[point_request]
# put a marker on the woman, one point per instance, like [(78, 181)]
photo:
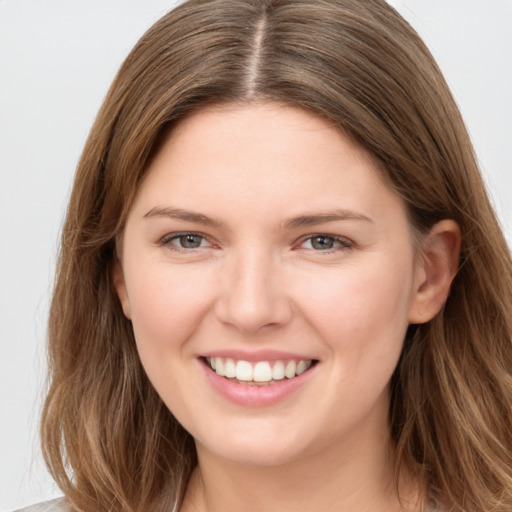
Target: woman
[(281, 282)]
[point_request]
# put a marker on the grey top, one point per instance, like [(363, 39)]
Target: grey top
[(57, 505)]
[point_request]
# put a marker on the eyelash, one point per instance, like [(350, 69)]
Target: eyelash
[(339, 243), (169, 239)]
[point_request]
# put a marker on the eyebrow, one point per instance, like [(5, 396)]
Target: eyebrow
[(295, 222), (322, 218), (180, 214)]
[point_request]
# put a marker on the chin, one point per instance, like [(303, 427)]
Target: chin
[(261, 446), (258, 455)]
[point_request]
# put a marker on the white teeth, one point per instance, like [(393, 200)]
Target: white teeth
[(302, 367), (219, 366), (230, 369), (290, 369), (260, 372), (244, 370), (278, 371)]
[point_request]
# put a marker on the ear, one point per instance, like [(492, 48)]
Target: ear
[(437, 265), (120, 287)]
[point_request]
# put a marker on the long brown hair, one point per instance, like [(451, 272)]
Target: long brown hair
[(108, 439)]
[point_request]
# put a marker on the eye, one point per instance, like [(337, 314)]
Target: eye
[(180, 241), (325, 243)]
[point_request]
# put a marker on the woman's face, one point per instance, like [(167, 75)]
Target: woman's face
[(264, 243)]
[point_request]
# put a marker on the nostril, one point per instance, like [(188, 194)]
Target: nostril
[(251, 315)]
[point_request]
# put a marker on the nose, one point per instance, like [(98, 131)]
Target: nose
[(253, 295)]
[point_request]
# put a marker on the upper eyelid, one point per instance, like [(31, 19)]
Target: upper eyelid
[(176, 234), (338, 238)]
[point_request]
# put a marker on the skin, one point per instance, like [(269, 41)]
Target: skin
[(257, 281)]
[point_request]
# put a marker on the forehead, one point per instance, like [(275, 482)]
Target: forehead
[(255, 125), (262, 156)]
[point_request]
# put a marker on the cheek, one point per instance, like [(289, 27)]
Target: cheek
[(167, 306), (361, 316), (361, 311), (359, 292)]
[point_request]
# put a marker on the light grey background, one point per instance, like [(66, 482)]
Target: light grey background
[(57, 59)]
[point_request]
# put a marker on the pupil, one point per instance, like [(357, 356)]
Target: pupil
[(322, 242), (190, 241)]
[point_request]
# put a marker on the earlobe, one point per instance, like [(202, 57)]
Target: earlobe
[(120, 287), (436, 267)]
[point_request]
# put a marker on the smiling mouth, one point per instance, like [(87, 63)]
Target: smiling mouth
[(260, 373)]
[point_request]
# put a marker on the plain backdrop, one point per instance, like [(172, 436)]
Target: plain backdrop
[(57, 59)]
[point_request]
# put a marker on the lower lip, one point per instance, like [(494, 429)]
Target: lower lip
[(254, 395)]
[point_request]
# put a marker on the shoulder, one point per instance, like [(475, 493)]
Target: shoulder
[(57, 505)]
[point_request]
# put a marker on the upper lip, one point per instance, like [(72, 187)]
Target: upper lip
[(258, 355)]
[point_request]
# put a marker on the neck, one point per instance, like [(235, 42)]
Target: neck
[(349, 477)]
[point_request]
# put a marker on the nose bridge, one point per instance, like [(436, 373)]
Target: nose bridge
[(253, 295)]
